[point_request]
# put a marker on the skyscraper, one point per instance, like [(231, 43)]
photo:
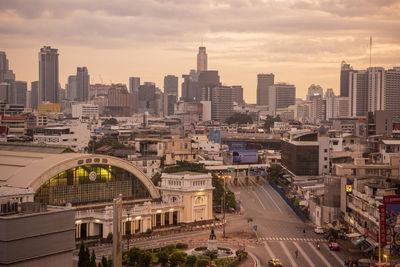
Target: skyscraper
[(19, 92), (264, 81), (376, 89), (237, 94), (190, 86), (48, 75), (71, 88), (6, 75), (358, 93), (134, 84), (345, 78), (170, 94), (221, 103), (34, 95), (202, 59), (281, 95), (207, 80), (393, 92), (315, 90), (82, 84)]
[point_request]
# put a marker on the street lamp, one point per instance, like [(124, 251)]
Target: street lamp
[(129, 233)]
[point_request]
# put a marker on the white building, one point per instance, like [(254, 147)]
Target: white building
[(85, 110)]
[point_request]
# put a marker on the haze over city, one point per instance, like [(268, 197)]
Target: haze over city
[(301, 42)]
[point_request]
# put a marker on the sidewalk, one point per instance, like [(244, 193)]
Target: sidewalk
[(248, 262)]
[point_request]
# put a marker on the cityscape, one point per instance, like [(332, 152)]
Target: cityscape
[(200, 168)]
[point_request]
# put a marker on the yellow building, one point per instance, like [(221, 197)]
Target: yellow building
[(177, 148), (49, 108), (193, 189)]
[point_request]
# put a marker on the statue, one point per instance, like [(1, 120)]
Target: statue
[(212, 235)]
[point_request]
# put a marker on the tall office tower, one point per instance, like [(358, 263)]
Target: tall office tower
[(202, 59), (6, 75), (393, 92), (171, 84), (28, 99), (376, 89), (343, 106), (48, 75), (221, 103), (170, 94), (207, 80), (345, 81), (314, 90), (358, 93), (237, 92), (331, 108), (134, 83), (190, 86), (318, 108), (72, 88), (82, 84), (19, 89), (5, 92), (34, 95), (281, 95), (147, 98), (264, 81)]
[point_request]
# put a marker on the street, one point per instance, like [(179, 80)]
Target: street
[(280, 231)]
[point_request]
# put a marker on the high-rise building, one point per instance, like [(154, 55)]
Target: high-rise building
[(281, 95), (82, 84), (134, 84), (19, 89), (345, 80), (264, 81), (393, 92), (315, 90), (237, 92), (5, 92), (48, 75), (330, 104), (358, 93), (202, 59), (6, 75), (171, 84), (71, 88), (190, 86), (221, 103), (207, 81), (376, 89), (34, 95)]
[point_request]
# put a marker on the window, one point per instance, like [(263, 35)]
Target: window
[(186, 145), (326, 166), (199, 201), (325, 150), (325, 158)]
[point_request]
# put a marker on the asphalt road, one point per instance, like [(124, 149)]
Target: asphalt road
[(280, 231)]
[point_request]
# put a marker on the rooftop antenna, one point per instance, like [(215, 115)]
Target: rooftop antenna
[(370, 51)]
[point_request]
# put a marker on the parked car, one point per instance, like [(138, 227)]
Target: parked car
[(319, 230), (334, 246), (274, 263)]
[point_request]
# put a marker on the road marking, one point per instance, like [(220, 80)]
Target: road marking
[(334, 254), (273, 201), (319, 254), (310, 263), (292, 261), (259, 199), (269, 251)]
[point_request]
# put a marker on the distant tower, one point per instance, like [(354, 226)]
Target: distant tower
[(264, 81), (202, 59), (82, 84), (345, 81), (48, 75)]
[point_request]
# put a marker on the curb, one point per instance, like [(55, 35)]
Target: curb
[(255, 259)]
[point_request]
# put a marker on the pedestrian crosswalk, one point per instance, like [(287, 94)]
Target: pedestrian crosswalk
[(304, 239)]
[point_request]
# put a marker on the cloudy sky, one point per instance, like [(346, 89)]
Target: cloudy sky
[(301, 41)]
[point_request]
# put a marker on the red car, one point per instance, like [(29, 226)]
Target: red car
[(334, 246)]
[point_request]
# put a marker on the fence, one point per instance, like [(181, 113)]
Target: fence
[(288, 201)]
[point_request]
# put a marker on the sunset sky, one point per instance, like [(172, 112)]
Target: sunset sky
[(301, 42)]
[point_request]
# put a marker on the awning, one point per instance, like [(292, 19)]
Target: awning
[(358, 242), (353, 235), (372, 242)]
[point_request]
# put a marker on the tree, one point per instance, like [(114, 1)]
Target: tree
[(191, 260), (176, 259), (274, 172), (133, 256), (269, 121), (92, 262), (156, 178), (105, 262), (240, 118), (84, 256), (145, 259), (163, 258), (213, 254), (203, 262)]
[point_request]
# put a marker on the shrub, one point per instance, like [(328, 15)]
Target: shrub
[(181, 246)]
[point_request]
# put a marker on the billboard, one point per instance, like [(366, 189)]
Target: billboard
[(215, 136), (389, 214), (245, 156)]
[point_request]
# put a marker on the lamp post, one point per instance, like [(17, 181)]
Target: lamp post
[(223, 233), (129, 233)]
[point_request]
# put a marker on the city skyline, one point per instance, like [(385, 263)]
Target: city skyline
[(123, 40)]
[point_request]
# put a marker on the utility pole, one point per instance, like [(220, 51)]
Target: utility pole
[(223, 235), (129, 233)]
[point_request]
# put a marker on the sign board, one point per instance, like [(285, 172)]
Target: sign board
[(349, 188), (255, 227)]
